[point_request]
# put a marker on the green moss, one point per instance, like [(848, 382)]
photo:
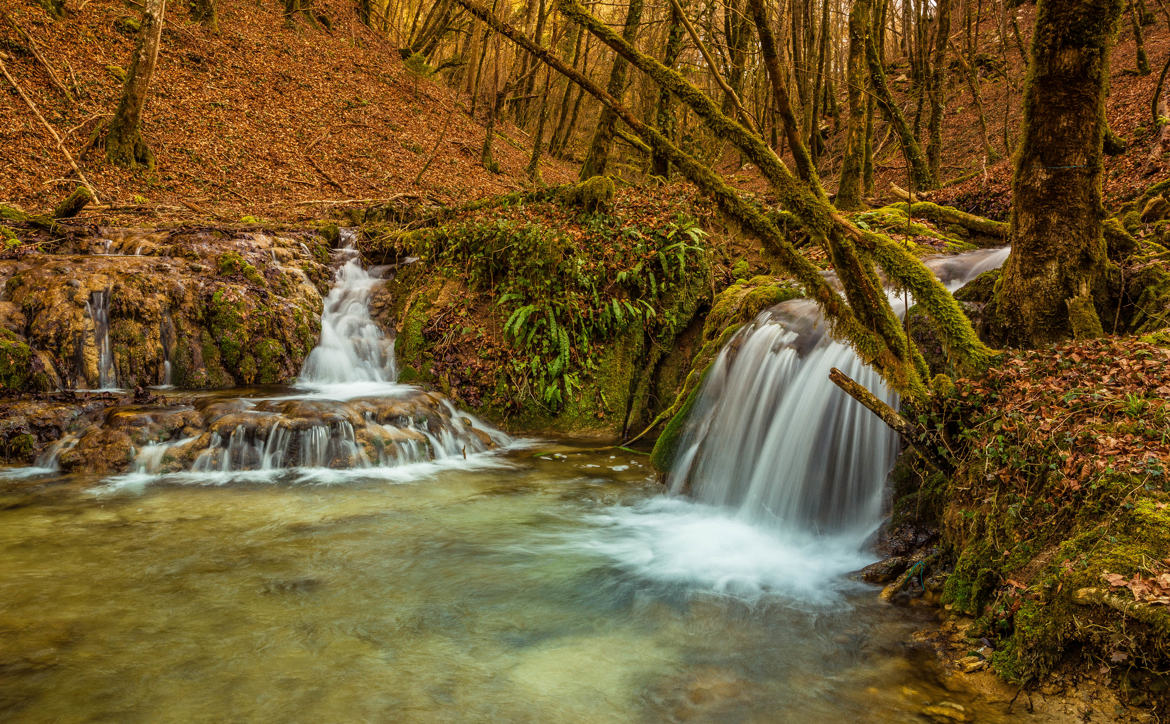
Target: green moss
[(593, 194), (18, 448), (15, 360), (232, 264), (666, 446), (269, 353), (1160, 338), (225, 321)]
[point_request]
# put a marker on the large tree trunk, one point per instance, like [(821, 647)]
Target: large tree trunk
[(124, 144), (849, 192), (598, 157), (1058, 252)]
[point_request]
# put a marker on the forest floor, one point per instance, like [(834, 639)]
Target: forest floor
[(287, 121), (264, 118)]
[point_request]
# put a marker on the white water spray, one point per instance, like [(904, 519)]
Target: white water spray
[(352, 347)]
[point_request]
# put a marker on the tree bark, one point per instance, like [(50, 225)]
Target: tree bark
[(935, 89), (206, 12), (599, 148), (1057, 245), (919, 168), (124, 144), (849, 191), (664, 114)]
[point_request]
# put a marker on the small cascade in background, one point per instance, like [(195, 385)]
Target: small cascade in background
[(50, 458), (351, 416), (772, 438), (285, 433), (98, 309), (352, 347)]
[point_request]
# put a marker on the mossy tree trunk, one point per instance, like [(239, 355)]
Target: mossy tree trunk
[(936, 90), (599, 148), (920, 174), (1143, 60), (55, 8), (849, 191), (664, 114), (1058, 251), (124, 144), (777, 77), (206, 12)]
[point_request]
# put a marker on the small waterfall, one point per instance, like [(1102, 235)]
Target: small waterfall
[(354, 418), (352, 347), (287, 433), (98, 309), (772, 438), (49, 459)]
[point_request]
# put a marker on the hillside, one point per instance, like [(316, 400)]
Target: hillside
[(262, 118)]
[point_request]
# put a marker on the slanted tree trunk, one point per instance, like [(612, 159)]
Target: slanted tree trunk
[(598, 157), (920, 173), (849, 191), (124, 144), (1058, 252)]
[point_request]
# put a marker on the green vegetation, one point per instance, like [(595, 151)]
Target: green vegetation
[(563, 319), (1058, 525)]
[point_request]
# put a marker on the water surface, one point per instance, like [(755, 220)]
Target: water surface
[(555, 585)]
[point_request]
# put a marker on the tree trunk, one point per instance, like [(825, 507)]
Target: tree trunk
[(935, 89), (598, 157), (205, 11), (1058, 251), (664, 115), (124, 144), (849, 191), (920, 173)]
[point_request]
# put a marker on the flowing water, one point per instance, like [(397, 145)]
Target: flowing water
[(357, 550), (98, 308)]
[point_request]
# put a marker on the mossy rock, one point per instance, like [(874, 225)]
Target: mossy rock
[(592, 195)]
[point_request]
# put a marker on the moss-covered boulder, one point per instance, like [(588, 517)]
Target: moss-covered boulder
[(196, 309), (547, 315)]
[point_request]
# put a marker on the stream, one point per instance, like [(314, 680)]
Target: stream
[(549, 584), (353, 549)]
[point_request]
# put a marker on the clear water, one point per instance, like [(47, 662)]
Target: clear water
[(537, 589)]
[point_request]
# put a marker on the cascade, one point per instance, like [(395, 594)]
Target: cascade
[(772, 438), (98, 308), (352, 347), (349, 415)]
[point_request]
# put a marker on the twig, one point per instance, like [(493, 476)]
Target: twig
[(435, 149), (32, 46), (325, 173), (60, 144)]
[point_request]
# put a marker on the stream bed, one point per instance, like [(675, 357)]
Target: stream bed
[(539, 583)]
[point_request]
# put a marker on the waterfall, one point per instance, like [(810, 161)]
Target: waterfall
[(98, 308), (353, 417), (772, 438), (352, 347)]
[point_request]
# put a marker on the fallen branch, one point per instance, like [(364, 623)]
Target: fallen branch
[(60, 144), (325, 174), (910, 434), (951, 215)]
